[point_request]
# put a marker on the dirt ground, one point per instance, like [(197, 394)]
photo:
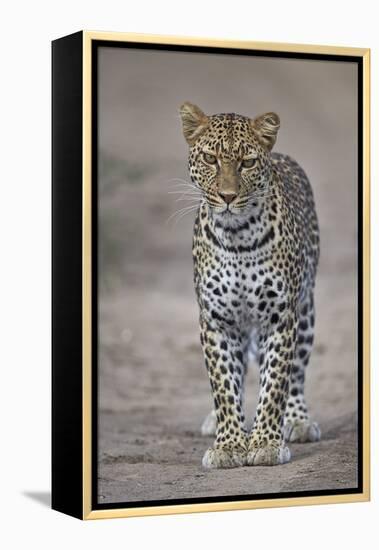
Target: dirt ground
[(153, 387)]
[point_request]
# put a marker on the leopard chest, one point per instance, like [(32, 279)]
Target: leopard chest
[(241, 289)]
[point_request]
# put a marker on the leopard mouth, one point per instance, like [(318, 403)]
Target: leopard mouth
[(223, 209), (227, 211), (232, 208)]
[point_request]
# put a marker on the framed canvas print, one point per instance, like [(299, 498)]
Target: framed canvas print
[(210, 275)]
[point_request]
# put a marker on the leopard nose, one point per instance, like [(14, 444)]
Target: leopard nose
[(228, 197)]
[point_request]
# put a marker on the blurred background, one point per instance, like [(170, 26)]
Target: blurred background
[(153, 387)]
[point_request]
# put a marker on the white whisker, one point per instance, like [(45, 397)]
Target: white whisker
[(180, 180), (185, 189), (262, 195), (197, 193), (183, 183), (196, 199), (182, 212)]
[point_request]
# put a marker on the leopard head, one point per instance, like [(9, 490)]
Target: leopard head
[(229, 157)]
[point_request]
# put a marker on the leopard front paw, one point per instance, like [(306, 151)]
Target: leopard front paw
[(301, 431), (267, 454), (224, 457)]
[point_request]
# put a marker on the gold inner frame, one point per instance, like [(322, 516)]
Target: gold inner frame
[(88, 513)]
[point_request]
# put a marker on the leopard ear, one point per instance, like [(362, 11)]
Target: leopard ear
[(194, 121), (266, 127)]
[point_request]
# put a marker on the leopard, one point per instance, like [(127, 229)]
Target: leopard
[(256, 247)]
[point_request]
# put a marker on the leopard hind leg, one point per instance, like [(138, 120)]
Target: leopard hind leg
[(298, 426)]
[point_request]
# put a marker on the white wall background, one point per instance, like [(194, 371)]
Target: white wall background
[(27, 28)]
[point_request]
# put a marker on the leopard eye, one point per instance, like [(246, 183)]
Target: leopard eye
[(209, 159), (248, 163)]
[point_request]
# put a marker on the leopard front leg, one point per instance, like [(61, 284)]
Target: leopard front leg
[(209, 424), (224, 359), (266, 441)]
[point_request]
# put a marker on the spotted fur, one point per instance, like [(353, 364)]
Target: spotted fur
[(255, 251)]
